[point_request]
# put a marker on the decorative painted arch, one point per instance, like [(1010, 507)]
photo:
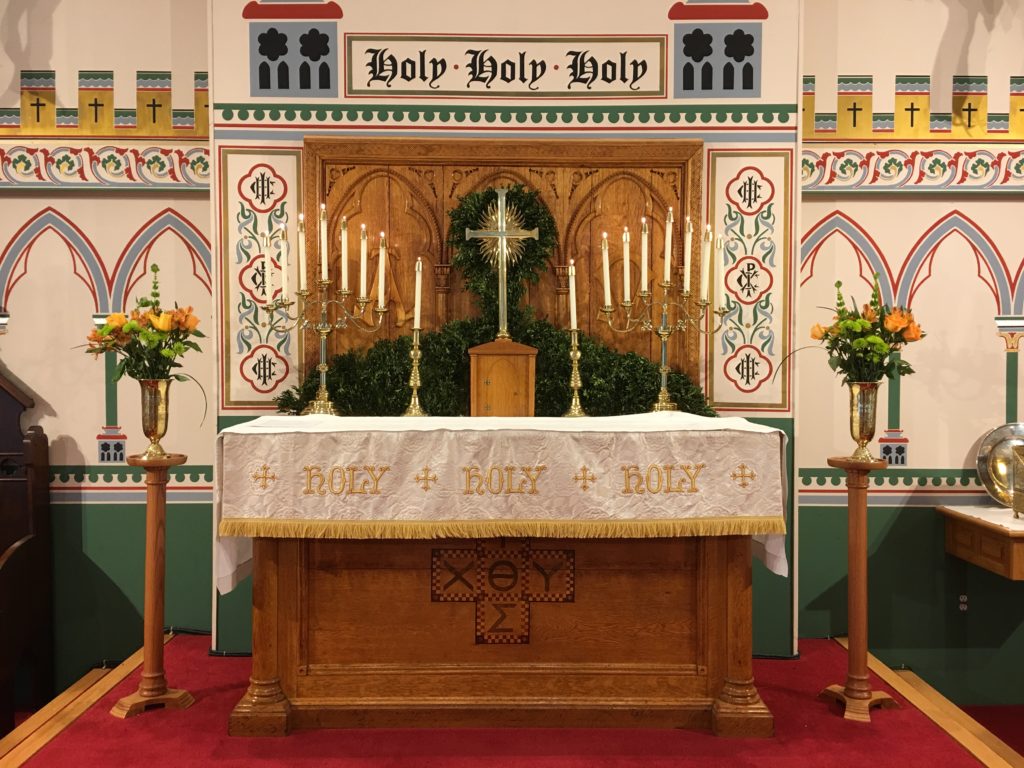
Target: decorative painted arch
[(839, 223), (917, 268), (131, 266), (88, 266)]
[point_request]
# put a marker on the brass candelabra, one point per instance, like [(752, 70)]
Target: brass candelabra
[(349, 311), (640, 314)]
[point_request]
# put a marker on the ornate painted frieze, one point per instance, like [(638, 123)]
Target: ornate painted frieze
[(259, 203), (137, 168), (751, 220)]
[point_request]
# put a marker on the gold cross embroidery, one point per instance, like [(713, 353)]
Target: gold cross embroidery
[(264, 476), (743, 474), (426, 478), (584, 477)]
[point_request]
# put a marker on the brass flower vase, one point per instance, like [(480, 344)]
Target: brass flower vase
[(863, 407), (155, 398)]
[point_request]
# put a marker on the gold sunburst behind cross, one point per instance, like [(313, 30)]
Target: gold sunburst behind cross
[(513, 221)]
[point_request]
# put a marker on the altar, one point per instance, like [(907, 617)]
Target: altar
[(500, 571)]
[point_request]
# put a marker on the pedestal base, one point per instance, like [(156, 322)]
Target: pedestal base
[(858, 709), (136, 703)]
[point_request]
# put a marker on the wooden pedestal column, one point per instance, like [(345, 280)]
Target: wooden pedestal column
[(153, 691), (856, 695)]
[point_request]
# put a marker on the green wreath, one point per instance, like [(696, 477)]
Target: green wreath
[(471, 257)]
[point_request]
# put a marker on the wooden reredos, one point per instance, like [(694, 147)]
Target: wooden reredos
[(406, 187)]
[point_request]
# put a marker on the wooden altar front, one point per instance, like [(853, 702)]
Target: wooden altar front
[(502, 632)]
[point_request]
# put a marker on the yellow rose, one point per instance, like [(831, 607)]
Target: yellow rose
[(817, 332), (897, 320), (912, 332), (164, 322), (116, 320)]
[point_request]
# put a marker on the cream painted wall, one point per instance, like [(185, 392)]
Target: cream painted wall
[(71, 35), (941, 38), (51, 309), (956, 395)]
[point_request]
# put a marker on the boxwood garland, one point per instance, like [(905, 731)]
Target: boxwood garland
[(374, 382)]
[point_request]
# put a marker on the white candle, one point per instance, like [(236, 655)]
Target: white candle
[(643, 253), (668, 246), (572, 295), (604, 270), (362, 261), (282, 254), (719, 265), (687, 254), (705, 261), (380, 271), (302, 252), (344, 253), (419, 291), (268, 286), (625, 264), (323, 241)]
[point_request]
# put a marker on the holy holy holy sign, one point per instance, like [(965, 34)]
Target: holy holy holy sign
[(498, 230)]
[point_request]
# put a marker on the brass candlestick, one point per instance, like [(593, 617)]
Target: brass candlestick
[(324, 327), (575, 409), (414, 408)]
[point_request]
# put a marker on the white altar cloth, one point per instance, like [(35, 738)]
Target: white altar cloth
[(642, 475)]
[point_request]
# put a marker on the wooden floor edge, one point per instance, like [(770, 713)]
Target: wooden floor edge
[(968, 732), (46, 724)]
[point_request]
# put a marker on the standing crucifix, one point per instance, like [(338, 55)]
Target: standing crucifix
[(502, 233)]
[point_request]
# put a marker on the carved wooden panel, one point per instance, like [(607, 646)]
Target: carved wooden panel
[(406, 187)]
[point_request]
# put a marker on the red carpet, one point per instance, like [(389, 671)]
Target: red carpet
[(1004, 722), (808, 732)]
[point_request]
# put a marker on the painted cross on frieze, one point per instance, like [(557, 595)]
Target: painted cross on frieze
[(497, 227)]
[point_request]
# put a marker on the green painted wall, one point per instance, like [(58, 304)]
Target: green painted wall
[(99, 552), (914, 589)]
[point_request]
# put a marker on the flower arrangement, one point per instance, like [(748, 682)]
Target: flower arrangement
[(150, 340), (860, 343)]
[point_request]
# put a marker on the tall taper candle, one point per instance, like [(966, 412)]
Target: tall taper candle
[(687, 254), (643, 253), (302, 251), (604, 270), (572, 295), (625, 264), (344, 253), (705, 261), (323, 241), (719, 265), (380, 271), (283, 248), (268, 285), (362, 261), (419, 291), (669, 226)]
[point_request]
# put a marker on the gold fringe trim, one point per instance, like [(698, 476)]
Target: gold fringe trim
[(480, 529)]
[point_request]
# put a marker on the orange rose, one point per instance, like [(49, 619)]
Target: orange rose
[(869, 314), (189, 323), (912, 332), (116, 320), (897, 320), (817, 332), (163, 322)]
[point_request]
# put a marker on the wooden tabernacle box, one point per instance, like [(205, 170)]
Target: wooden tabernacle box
[(502, 377)]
